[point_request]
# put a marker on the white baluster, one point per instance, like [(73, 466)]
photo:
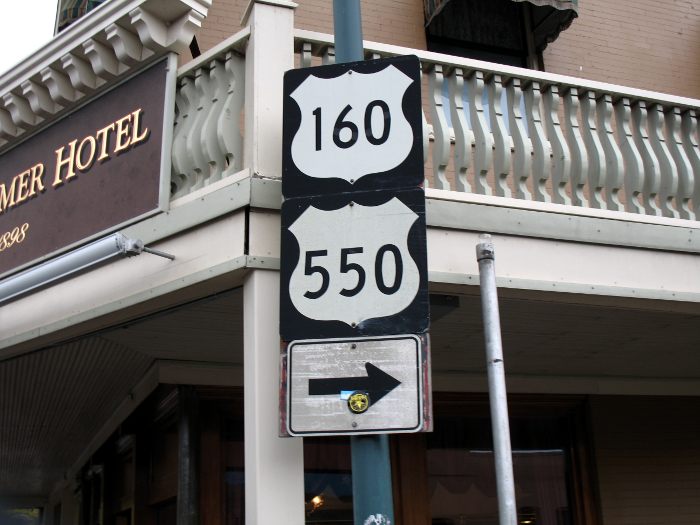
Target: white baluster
[(522, 146), (669, 173), (228, 125), (209, 141), (674, 143), (501, 139), (579, 158), (652, 174), (202, 84), (561, 158), (305, 55), (540, 147), (482, 136), (184, 102), (328, 56), (594, 151), (613, 157), (441, 132), (634, 169), (689, 130), (463, 135)]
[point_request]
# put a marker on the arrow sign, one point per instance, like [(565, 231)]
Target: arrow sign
[(327, 385), (376, 383)]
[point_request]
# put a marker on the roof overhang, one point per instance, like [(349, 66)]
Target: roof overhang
[(97, 51)]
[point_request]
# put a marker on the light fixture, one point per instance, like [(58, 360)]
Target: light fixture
[(74, 261)]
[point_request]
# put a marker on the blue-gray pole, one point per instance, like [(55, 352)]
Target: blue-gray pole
[(372, 496), (371, 464), (347, 24)]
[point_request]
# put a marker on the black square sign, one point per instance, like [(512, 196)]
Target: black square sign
[(354, 264)]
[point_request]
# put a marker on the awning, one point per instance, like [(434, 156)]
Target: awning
[(550, 17)]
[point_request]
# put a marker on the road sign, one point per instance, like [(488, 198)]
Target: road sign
[(354, 265), (352, 127), (347, 386), (353, 256)]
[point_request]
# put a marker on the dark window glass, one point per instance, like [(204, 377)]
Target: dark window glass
[(70, 10), (492, 30), (234, 474), (166, 513), (328, 481), (461, 472)]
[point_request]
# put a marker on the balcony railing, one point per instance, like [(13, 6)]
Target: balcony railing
[(490, 130), (512, 132), (207, 140)]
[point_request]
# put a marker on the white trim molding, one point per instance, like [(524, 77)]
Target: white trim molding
[(95, 52)]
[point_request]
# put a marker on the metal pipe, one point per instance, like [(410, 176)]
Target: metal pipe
[(505, 485), (62, 266), (371, 480)]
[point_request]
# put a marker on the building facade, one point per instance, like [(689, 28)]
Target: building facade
[(145, 390)]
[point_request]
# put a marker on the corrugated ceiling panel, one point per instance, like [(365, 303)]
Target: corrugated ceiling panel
[(51, 404)]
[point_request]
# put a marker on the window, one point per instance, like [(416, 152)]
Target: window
[(70, 10), (328, 481), (546, 442), (494, 31), (512, 32)]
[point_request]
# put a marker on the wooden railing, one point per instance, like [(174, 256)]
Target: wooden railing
[(207, 140), (510, 132), (489, 130)]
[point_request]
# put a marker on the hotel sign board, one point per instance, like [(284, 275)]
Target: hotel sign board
[(101, 167)]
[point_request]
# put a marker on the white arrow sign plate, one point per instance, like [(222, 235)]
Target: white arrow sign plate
[(317, 368)]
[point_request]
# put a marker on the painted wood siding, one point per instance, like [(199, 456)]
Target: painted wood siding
[(648, 459)]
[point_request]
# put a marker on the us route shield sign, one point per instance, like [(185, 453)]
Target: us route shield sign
[(354, 265), (352, 127)]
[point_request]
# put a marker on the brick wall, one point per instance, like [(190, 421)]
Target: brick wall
[(397, 22), (648, 44), (648, 459)]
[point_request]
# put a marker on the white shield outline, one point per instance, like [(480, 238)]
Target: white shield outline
[(369, 227), (332, 95)]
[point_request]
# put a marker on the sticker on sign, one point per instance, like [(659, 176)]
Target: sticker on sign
[(355, 386)]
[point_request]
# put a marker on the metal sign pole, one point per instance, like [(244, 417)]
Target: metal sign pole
[(371, 465), (347, 24), (505, 484)]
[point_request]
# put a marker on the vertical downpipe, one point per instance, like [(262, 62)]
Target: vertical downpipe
[(507, 512)]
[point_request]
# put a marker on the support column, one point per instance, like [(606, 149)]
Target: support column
[(188, 456), (269, 54), (274, 466)]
